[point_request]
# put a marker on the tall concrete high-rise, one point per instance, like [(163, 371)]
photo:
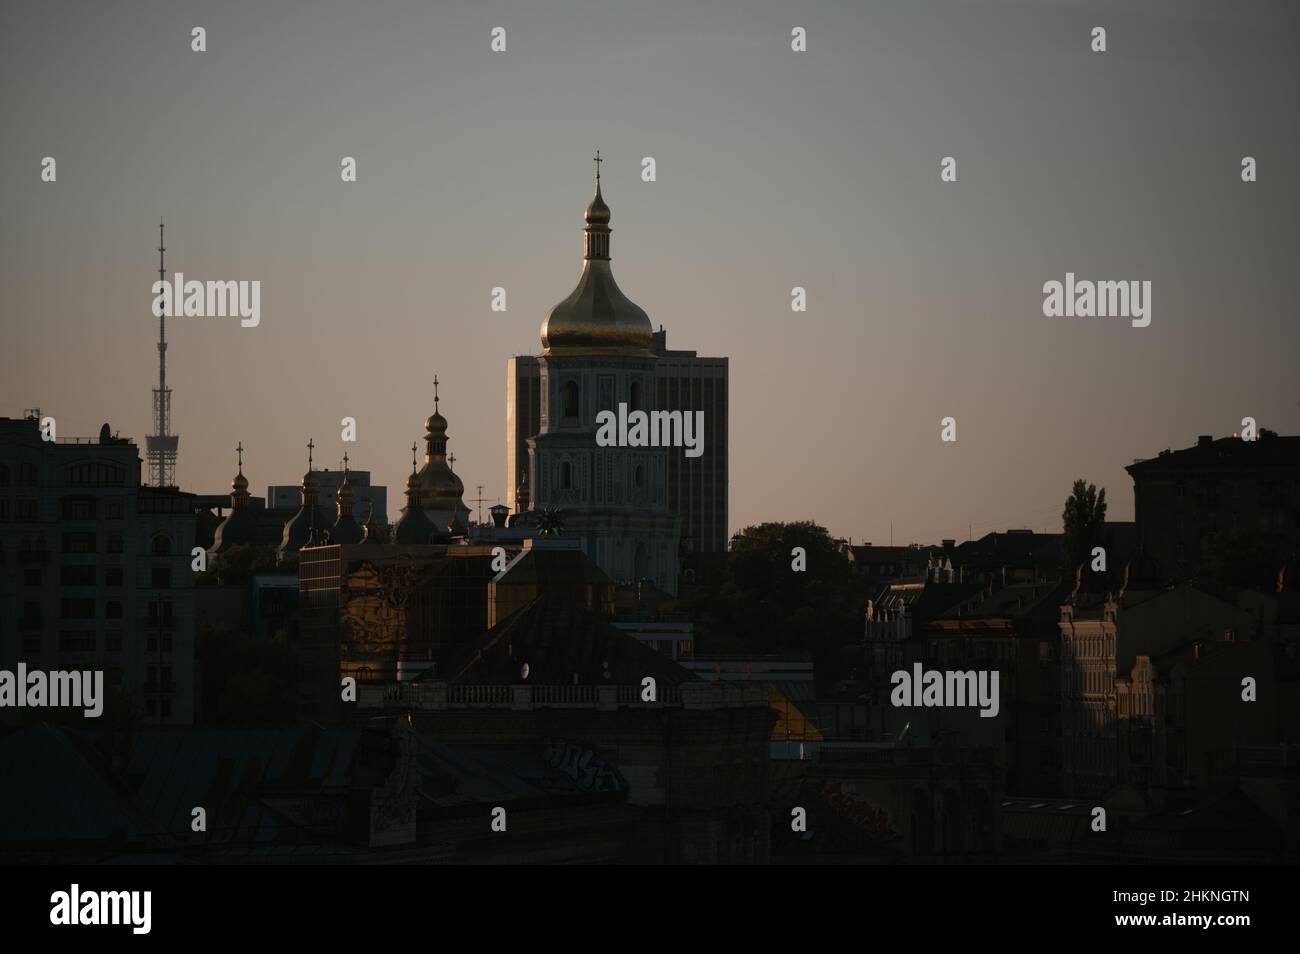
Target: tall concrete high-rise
[(697, 486), (523, 419)]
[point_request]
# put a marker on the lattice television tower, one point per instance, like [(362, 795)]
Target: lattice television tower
[(161, 444)]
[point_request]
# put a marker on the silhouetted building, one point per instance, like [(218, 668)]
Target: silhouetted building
[(95, 568), (1194, 506)]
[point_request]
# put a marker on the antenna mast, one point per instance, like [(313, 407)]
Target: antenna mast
[(161, 444)]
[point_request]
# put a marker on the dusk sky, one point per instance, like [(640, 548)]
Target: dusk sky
[(775, 169)]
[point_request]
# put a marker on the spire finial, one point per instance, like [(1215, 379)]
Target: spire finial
[(345, 465), (598, 161), (451, 461), (240, 451), (412, 457), (435, 394), (311, 445)]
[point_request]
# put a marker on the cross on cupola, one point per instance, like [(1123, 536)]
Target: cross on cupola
[(311, 445), (240, 451)]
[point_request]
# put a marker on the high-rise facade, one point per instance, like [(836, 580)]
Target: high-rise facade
[(697, 486), (95, 569)]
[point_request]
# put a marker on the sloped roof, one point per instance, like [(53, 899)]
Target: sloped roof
[(556, 639)]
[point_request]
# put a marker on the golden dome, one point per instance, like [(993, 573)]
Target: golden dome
[(597, 316), (240, 483), (597, 211)]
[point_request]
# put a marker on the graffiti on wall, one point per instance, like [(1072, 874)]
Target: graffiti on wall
[(854, 807), (581, 763)]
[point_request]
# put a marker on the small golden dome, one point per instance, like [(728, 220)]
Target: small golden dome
[(597, 211), (597, 316), (240, 483)]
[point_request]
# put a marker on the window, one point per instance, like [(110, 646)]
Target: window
[(79, 508), (634, 397), (76, 642), (95, 475), (160, 578), (640, 475), (77, 608), (24, 510), (151, 707), (570, 399), (166, 708), (162, 545), (26, 474), (113, 644), (4, 511), (114, 543), (566, 476), (32, 576), (79, 542), (113, 576), (113, 610), (115, 510), (78, 575), (31, 614)]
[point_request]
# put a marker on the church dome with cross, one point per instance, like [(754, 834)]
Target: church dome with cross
[(597, 317), (441, 491)]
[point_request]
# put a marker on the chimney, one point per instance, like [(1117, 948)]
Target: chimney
[(1204, 440)]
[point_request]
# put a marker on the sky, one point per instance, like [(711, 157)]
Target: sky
[(775, 169)]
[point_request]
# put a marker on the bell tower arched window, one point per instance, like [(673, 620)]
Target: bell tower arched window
[(570, 398)]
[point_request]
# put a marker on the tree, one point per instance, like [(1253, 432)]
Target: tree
[(764, 605), (1084, 519), (238, 565)]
